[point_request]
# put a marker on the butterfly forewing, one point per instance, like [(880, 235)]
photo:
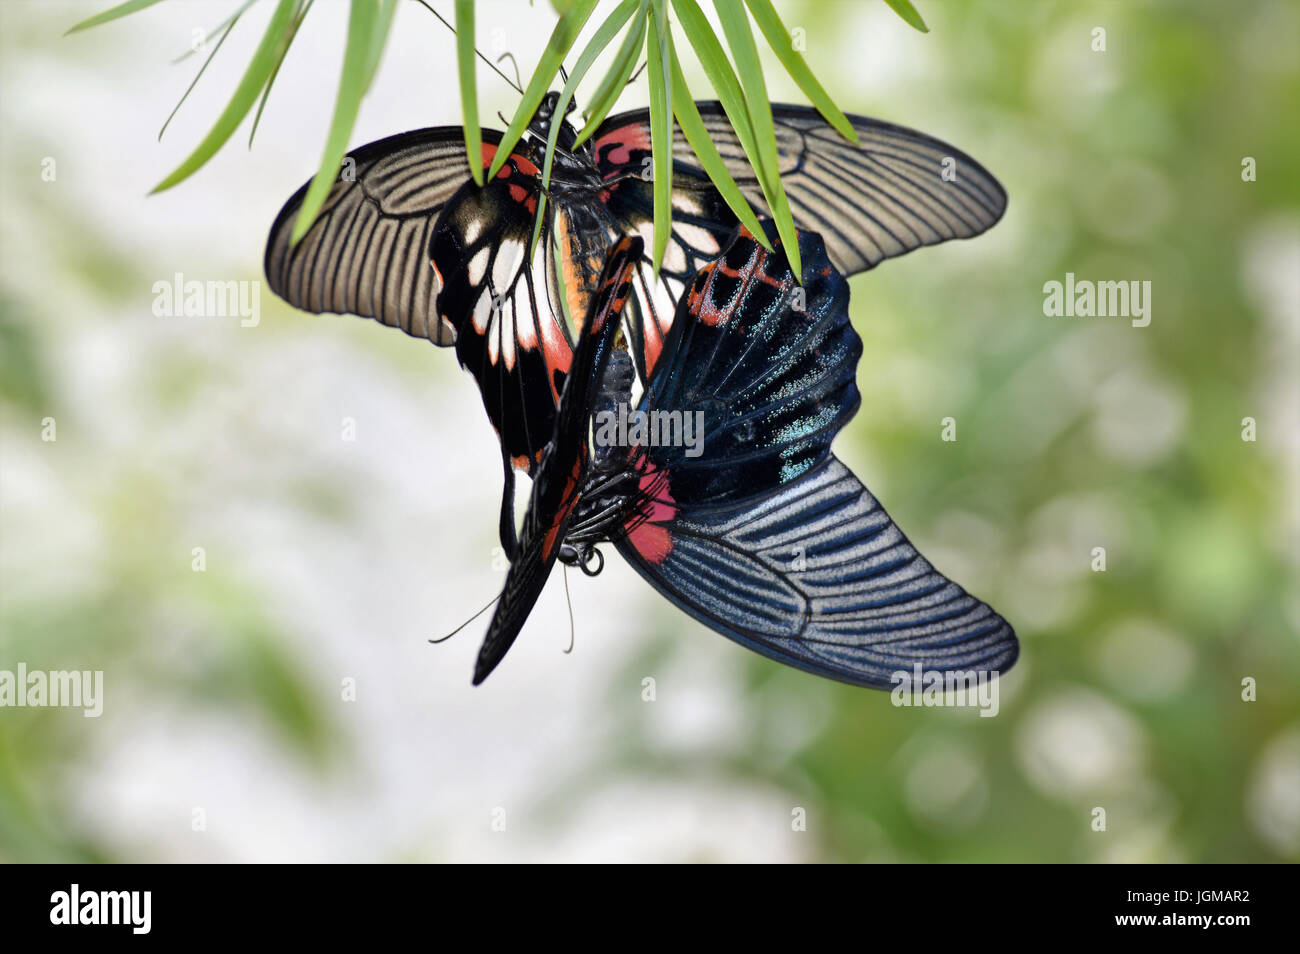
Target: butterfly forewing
[(766, 365), (896, 190), (494, 295)]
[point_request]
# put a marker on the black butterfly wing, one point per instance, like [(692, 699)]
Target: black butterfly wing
[(701, 223), (406, 237), (367, 253), (559, 480), (494, 295), (765, 536), (897, 190)]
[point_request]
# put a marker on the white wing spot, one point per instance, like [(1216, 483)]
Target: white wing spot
[(478, 265), (482, 312), (510, 255)]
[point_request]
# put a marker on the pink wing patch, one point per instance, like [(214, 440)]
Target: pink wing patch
[(650, 538), (620, 142)]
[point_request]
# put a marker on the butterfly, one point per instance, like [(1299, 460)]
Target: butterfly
[(755, 529), (406, 237)]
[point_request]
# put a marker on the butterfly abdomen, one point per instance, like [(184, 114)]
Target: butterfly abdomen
[(615, 392)]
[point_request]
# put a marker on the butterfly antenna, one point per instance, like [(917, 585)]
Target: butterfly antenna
[(632, 79), (468, 621), (564, 74), (519, 82), (517, 87), (565, 569)]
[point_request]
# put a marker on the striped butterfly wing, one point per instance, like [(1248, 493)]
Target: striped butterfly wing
[(765, 536), (367, 253), (559, 479), (897, 190)]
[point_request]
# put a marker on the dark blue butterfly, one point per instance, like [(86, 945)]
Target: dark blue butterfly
[(756, 529)]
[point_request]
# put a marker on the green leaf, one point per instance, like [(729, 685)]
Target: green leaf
[(688, 117), (217, 29), (362, 24), (908, 12), (720, 74), (562, 39), (602, 38), (254, 79), (386, 10), (266, 91), (741, 40), (199, 75), (778, 38), (659, 72), (469, 88), (717, 68), (615, 81), (121, 10)]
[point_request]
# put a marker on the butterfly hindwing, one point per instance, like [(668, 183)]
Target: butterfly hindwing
[(816, 575), (367, 252), (764, 535)]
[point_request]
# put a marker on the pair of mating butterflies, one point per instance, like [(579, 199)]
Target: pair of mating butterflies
[(764, 535)]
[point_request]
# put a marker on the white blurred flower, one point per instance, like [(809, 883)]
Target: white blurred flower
[(1078, 743), (1273, 796)]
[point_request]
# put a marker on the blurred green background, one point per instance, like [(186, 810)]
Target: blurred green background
[(229, 729)]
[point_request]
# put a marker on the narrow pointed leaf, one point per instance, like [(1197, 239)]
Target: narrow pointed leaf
[(465, 51), (121, 10), (908, 12), (266, 92), (615, 81), (252, 83), (601, 39), (215, 30), (692, 125), (562, 39), (735, 25), (197, 76), (386, 10), (659, 76), (362, 22), (718, 69), (779, 39)]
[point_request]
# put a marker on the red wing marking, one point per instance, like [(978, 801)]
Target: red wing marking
[(650, 538), (566, 508), (621, 142)]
